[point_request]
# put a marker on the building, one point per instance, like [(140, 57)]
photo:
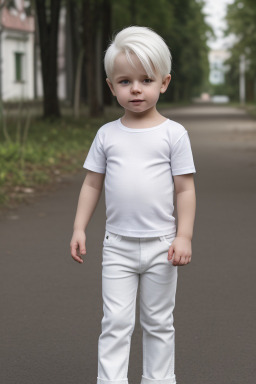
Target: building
[(20, 61), (17, 53), (218, 69)]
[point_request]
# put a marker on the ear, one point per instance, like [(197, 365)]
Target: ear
[(165, 82), (110, 86)]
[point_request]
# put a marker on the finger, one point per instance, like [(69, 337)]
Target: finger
[(74, 254), (170, 253), (187, 259), (183, 260), (176, 259), (77, 259), (82, 248), (73, 247)]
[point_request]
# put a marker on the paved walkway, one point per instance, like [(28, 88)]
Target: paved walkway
[(51, 307)]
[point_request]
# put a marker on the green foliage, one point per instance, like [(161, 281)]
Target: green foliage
[(241, 16), (50, 149)]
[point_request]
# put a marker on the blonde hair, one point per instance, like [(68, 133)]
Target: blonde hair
[(147, 45)]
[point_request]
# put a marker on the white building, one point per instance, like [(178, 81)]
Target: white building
[(20, 61), (217, 66), (17, 53)]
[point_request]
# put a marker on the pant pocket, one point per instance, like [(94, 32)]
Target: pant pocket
[(111, 238), (167, 238)]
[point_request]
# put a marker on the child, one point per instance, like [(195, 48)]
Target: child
[(142, 155)]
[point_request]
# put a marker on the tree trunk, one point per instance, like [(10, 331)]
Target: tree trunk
[(48, 27), (78, 83), (72, 45), (106, 37), (99, 64), (91, 18)]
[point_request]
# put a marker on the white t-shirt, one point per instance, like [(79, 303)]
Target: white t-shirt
[(139, 164)]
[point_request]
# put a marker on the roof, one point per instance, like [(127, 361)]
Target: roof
[(17, 19)]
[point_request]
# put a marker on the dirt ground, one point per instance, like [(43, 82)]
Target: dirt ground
[(52, 307)]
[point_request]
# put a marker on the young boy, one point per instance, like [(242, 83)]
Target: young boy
[(142, 156)]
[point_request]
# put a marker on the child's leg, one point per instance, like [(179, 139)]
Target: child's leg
[(119, 289), (157, 301)]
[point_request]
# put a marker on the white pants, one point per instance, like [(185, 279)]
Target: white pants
[(125, 262)]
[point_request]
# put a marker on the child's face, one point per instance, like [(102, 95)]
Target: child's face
[(134, 90)]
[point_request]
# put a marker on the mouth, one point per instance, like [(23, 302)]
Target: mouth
[(136, 101)]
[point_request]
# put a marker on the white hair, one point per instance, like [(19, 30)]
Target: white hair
[(147, 45)]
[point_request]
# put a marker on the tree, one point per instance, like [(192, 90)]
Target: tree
[(188, 38), (74, 53), (241, 16), (92, 14), (88, 29), (73, 45), (106, 37), (47, 13)]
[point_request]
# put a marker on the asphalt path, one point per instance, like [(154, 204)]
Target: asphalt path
[(51, 306)]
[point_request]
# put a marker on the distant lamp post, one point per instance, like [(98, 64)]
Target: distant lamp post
[(242, 79)]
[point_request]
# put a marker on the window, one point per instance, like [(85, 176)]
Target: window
[(19, 58)]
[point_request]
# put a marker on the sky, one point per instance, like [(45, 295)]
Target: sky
[(216, 11)]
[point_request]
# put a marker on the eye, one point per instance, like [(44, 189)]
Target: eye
[(125, 82), (148, 81)]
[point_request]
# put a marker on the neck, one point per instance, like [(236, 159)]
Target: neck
[(145, 119)]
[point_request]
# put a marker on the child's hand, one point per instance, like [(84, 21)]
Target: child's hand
[(180, 251), (77, 245)]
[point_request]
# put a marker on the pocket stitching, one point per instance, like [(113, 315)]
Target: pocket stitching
[(111, 238), (169, 239)]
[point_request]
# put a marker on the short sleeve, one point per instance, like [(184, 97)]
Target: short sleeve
[(181, 156), (96, 159)]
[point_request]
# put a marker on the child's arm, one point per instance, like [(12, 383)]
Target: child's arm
[(88, 199), (181, 250)]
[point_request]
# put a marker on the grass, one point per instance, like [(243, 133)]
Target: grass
[(36, 154)]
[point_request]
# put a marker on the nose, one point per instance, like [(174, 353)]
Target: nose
[(136, 87)]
